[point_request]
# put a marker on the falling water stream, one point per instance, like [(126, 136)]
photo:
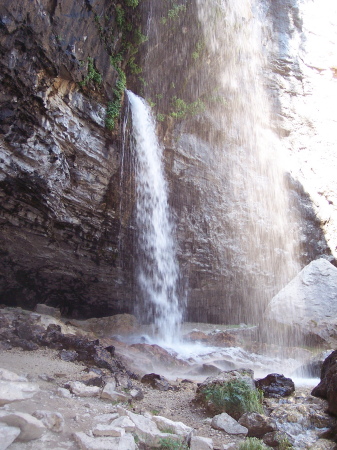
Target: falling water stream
[(157, 265)]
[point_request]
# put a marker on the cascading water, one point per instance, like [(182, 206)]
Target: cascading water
[(236, 35), (157, 265)]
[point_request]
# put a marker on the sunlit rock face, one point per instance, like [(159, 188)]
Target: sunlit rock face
[(246, 222), (305, 89)]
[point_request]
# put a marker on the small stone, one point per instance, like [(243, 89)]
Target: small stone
[(201, 443), (48, 310), (68, 355), (81, 390), (52, 420), (86, 442), (124, 422), (225, 422), (110, 394), (167, 425), (137, 394), (45, 377), (65, 393), (108, 430), (106, 418)]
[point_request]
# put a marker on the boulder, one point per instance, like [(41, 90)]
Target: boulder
[(327, 388), (196, 336), (223, 339), (156, 381), (8, 435), (86, 442), (146, 429), (308, 304), (276, 385), (258, 424), (276, 438), (30, 427), (224, 422), (221, 379), (16, 391)]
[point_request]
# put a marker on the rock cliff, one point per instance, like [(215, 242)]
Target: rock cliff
[(66, 213), (59, 173)]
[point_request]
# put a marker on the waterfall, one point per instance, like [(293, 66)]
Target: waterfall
[(157, 265), (235, 35)]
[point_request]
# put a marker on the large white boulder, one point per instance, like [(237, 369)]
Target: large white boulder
[(309, 302)]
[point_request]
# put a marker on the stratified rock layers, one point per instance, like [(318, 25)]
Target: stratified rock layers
[(59, 169), (66, 216)]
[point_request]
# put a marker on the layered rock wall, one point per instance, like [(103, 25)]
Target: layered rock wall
[(59, 167), (66, 213)]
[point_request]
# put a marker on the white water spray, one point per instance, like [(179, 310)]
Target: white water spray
[(157, 265)]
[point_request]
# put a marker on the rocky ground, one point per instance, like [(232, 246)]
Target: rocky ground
[(73, 415)]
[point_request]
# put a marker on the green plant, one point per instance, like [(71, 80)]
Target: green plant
[(181, 109), (171, 444), (235, 398), (284, 444), (135, 69), (132, 3), (160, 117), (252, 444), (114, 107), (155, 412), (92, 74), (139, 37), (198, 49), (120, 16), (173, 13)]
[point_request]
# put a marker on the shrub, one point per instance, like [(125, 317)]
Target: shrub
[(92, 75), (171, 444), (132, 3), (252, 444), (235, 398)]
